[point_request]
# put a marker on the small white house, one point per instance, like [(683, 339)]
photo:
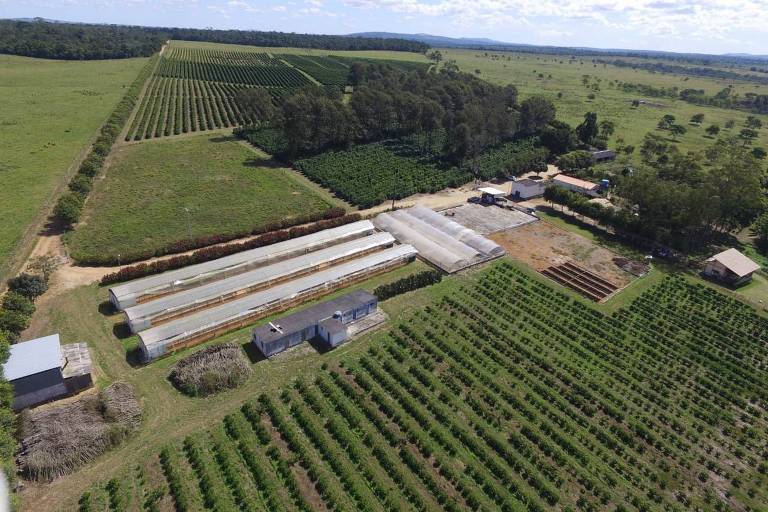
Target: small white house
[(577, 185), (527, 188), (730, 267)]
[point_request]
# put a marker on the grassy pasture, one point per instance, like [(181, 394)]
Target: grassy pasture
[(227, 187), (49, 110), (610, 103)]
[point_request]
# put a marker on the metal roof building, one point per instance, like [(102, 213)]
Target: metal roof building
[(443, 242), (155, 312), (731, 266), (144, 289), (41, 370), (208, 323), (327, 319)]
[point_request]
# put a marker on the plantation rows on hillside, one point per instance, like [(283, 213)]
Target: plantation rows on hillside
[(193, 89), (507, 395), (370, 174), (173, 106)]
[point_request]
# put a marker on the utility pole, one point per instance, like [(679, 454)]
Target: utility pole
[(189, 223)]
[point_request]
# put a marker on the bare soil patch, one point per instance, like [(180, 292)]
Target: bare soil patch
[(542, 245)]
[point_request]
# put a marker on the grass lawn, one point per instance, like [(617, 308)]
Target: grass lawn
[(227, 187), (49, 110)]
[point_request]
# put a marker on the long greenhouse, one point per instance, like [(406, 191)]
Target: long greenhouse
[(215, 321), (443, 242), (141, 290), (166, 308)]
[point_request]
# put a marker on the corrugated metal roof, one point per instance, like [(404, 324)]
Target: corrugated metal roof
[(205, 320), (187, 299), (576, 182), (202, 271), (303, 319), (736, 262), (33, 356)]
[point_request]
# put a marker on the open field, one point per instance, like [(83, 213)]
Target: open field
[(542, 245), (559, 76), (49, 110), (492, 390), (139, 206)]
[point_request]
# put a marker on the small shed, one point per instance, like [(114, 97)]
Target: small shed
[(603, 155), (730, 267), (41, 370), (577, 185), (527, 188)]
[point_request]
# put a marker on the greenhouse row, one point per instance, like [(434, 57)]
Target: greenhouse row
[(141, 290), (441, 241), (166, 308), (209, 323)]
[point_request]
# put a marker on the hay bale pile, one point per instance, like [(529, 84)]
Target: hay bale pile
[(57, 440), (211, 370)]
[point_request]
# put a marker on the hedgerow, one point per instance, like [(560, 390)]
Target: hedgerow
[(332, 218), (407, 284)]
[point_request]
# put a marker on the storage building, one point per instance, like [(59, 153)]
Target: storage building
[(41, 370), (215, 321), (166, 308), (577, 185), (730, 267), (141, 290), (527, 188), (327, 321)]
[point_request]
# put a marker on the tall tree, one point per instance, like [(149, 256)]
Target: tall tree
[(536, 112), (588, 129)]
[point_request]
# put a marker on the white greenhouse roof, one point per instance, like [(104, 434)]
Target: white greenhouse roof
[(207, 293), (193, 275), (439, 240), (204, 321), (491, 191), (34, 356)]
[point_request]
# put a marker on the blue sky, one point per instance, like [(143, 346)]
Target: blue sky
[(706, 26)]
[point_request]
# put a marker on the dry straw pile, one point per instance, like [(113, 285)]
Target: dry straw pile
[(211, 370), (57, 440)]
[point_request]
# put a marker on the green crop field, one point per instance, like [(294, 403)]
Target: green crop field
[(491, 391), (49, 110), (161, 192), (194, 86)]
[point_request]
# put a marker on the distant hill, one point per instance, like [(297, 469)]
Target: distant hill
[(480, 43), (439, 41)]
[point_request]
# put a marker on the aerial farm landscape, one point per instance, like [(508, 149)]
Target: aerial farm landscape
[(262, 270)]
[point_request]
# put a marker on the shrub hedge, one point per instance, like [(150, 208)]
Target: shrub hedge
[(407, 284), (212, 252)]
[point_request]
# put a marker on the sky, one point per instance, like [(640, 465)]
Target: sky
[(700, 26)]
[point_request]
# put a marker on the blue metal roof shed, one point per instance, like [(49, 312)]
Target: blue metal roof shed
[(32, 357)]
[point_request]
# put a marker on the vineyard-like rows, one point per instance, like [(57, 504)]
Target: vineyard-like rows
[(173, 106), (508, 395), (325, 70), (370, 174)]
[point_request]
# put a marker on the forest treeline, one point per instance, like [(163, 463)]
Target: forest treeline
[(80, 41), (449, 113), (676, 69)]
